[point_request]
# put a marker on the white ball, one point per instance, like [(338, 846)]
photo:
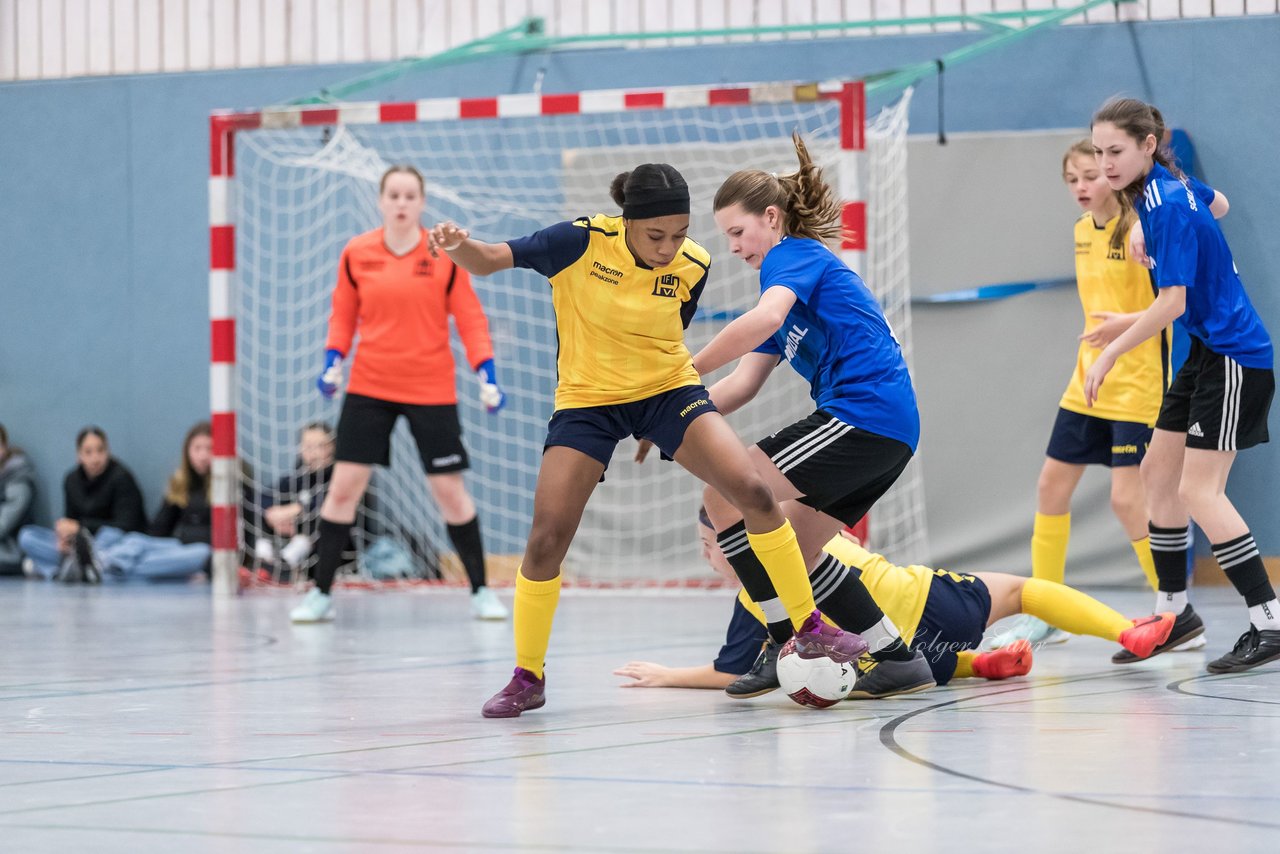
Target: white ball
[(817, 682)]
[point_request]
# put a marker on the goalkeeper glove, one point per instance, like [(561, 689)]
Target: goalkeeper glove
[(330, 379), (490, 394)]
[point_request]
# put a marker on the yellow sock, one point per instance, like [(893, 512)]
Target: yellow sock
[(535, 608), (780, 554), (964, 664), (1049, 546), (1071, 610), (1142, 548)]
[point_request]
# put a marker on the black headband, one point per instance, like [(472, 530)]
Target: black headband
[(646, 203)]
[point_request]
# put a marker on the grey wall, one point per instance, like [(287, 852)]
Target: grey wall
[(103, 243)]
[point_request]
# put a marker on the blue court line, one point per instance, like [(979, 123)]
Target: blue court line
[(985, 293), (989, 293)]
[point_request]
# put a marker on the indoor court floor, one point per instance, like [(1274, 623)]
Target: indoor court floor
[(140, 718)]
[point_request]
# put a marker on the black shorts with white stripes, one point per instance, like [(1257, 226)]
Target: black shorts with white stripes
[(839, 469), (1220, 404)]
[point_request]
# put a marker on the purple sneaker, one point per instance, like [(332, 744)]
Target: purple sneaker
[(524, 691), (816, 638)]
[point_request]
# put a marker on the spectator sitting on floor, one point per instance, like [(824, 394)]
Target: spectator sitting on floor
[(292, 512), (17, 494), (100, 492)]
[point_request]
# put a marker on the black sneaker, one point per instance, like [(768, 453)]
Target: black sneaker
[(87, 556), (1256, 646), (763, 676), (889, 678), (1187, 626)]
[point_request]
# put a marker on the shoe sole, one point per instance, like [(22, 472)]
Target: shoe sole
[(1240, 668), (296, 621), (514, 713), (1191, 644), (915, 689), (759, 693), (1167, 646)]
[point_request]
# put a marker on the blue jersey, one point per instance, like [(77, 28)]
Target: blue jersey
[(741, 642), (1188, 249), (836, 337)]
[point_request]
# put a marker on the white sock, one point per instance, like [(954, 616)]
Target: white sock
[(1175, 602), (774, 612), (881, 635), (1265, 616)]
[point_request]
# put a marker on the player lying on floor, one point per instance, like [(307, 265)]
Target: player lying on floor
[(942, 613)]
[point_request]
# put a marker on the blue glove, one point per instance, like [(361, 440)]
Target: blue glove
[(490, 394), (330, 379)]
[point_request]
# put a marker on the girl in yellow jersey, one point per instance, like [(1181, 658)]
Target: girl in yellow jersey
[(941, 613), (1115, 432), (624, 288)]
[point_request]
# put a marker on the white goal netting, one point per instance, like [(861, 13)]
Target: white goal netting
[(302, 193)]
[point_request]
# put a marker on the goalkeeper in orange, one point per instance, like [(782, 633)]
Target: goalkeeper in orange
[(397, 296), (624, 288)]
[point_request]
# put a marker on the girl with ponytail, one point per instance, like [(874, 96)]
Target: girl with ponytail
[(1219, 401), (832, 466)]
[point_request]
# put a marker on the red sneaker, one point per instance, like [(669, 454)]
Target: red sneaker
[(1147, 634), (1011, 660), (524, 691)]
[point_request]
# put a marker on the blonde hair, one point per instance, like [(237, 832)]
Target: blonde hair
[(1128, 216), (808, 205), (178, 493)]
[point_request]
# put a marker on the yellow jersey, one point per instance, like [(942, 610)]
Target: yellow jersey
[(900, 591), (1109, 281), (620, 323)]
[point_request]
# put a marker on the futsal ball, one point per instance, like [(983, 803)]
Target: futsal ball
[(817, 682)]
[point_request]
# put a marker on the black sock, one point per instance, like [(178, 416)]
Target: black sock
[(1242, 563), (1169, 548), (754, 577), (470, 548), (843, 597), (329, 547)]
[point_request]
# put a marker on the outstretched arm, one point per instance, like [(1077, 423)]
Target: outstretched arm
[(747, 332), (474, 256), (646, 674)]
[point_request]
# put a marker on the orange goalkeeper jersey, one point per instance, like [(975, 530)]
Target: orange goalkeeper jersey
[(400, 306)]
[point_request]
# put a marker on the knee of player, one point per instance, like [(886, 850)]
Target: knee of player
[(753, 495), (1125, 504), (547, 543)]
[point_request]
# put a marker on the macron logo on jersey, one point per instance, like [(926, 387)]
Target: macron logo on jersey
[(794, 336)]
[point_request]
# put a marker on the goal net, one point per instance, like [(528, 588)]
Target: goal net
[(306, 181)]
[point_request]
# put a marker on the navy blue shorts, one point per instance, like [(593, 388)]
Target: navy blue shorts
[(954, 619), (662, 419), (1088, 440)]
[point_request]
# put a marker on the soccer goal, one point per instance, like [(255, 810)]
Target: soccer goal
[(290, 186)]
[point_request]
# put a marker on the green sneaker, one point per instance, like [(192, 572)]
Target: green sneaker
[(316, 607)]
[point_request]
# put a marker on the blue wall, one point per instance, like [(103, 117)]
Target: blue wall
[(103, 309)]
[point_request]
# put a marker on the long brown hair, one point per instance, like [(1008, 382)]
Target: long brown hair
[(1128, 216), (809, 207), (184, 476), (1139, 120)]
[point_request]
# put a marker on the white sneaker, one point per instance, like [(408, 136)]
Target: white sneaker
[(485, 605), (1031, 629), (316, 607), (29, 568), (1196, 643)]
